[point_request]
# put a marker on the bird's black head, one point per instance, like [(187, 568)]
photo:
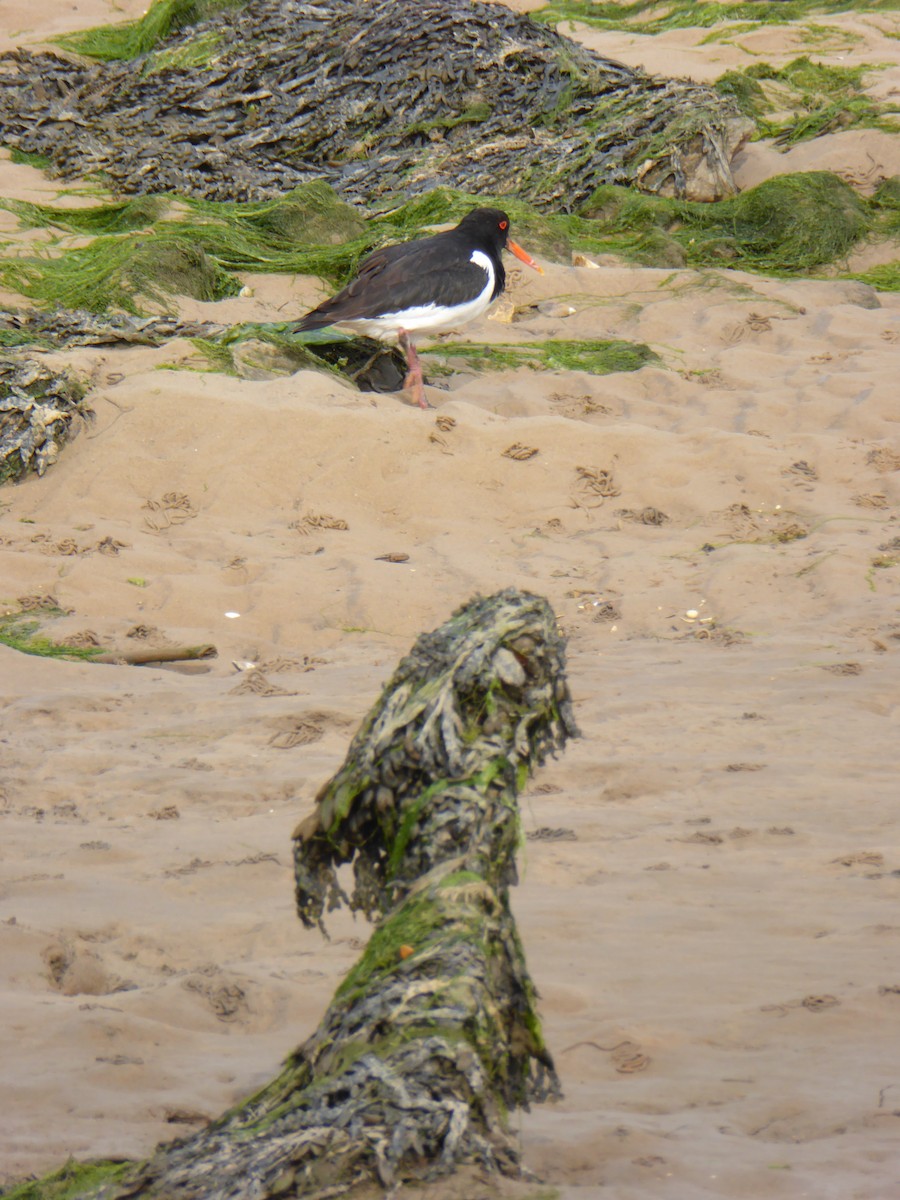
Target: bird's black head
[(487, 226), (488, 229)]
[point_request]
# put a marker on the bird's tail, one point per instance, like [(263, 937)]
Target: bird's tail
[(312, 320)]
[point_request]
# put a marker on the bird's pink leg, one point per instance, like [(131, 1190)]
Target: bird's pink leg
[(413, 381)]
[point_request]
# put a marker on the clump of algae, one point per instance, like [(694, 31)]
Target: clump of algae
[(144, 249)]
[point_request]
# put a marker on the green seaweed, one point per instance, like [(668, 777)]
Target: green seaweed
[(414, 924), (111, 273), (822, 98), (786, 224), (594, 357), (794, 222), (19, 631), (12, 338), (310, 213), (116, 217), (887, 195), (399, 837), (73, 1179), (472, 115), (886, 277), (650, 16), (133, 38), (308, 231), (150, 248), (727, 33), (830, 37), (218, 356), (40, 161)]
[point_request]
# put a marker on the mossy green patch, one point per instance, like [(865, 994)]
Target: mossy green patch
[(20, 631), (74, 1179), (151, 248), (414, 924), (594, 357), (650, 16), (786, 224), (886, 278), (133, 38), (118, 217), (821, 98)]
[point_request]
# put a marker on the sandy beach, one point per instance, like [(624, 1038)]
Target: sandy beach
[(709, 892)]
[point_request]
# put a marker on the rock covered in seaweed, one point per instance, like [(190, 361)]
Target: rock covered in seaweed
[(377, 99), (37, 406)]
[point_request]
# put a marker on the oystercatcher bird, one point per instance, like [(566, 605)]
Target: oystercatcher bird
[(426, 286)]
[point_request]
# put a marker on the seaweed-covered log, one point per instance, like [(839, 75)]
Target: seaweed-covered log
[(431, 776), (433, 1036), (376, 97)]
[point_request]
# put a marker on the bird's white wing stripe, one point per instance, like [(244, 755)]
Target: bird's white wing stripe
[(481, 260)]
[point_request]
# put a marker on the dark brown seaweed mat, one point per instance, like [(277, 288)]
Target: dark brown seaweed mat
[(377, 99)]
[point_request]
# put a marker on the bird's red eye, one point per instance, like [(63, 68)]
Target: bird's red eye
[(503, 224)]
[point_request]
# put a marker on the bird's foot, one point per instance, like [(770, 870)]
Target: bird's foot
[(414, 384)]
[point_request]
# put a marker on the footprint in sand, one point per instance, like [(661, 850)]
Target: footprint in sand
[(75, 972), (173, 509), (228, 1001), (301, 731), (305, 729)]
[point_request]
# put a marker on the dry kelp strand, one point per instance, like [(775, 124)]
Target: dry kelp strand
[(74, 327)]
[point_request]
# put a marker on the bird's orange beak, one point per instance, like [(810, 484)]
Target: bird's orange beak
[(523, 256)]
